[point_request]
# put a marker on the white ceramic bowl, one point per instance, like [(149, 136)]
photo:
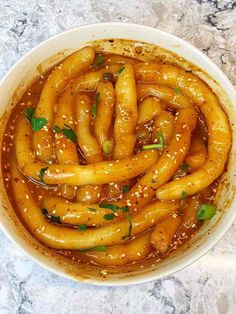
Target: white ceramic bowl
[(26, 69)]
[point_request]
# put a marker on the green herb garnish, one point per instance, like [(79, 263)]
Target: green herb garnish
[(128, 217), (184, 195), (109, 216), (67, 131), (107, 147), (151, 146), (121, 70), (100, 248), (55, 219), (161, 138), (99, 59), (184, 167), (177, 90), (82, 227), (92, 209), (125, 188), (42, 173), (29, 113), (159, 145), (206, 211), (36, 123), (94, 106), (125, 209), (112, 207)]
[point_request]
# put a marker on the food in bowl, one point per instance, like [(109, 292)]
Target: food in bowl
[(110, 160)]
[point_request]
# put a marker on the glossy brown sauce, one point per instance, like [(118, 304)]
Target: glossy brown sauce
[(39, 191)]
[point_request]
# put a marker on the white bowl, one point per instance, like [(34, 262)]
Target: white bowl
[(47, 54)]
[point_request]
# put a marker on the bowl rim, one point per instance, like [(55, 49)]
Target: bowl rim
[(183, 261)]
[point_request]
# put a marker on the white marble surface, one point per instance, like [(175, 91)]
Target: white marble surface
[(207, 286)]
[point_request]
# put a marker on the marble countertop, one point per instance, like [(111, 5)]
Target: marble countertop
[(208, 285)]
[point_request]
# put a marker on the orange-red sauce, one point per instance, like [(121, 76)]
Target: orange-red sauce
[(39, 191)]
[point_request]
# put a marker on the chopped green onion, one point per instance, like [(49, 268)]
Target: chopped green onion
[(108, 76), (55, 219), (177, 90), (109, 216), (82, 227), (125, 209), (153, 181), (29, 113), (151, 146), (100, 248), (161, 138), (92, 209), (206, 211), (99, 59), (184, 167), (42, 173), (159, 145), (107, 147), (112, 207), (94, 106), (128, 217), (56, 129), (67, 131), (36, 123), (184, 195), (125, 188), (121, 70)]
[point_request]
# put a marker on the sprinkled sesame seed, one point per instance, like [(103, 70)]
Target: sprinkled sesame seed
[(103, 272)]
